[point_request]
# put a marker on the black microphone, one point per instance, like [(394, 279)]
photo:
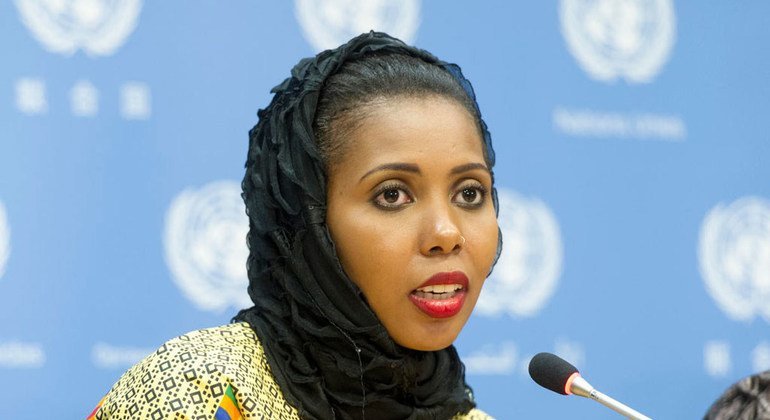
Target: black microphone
[(552, 372)]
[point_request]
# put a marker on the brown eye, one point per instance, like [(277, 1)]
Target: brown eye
[(392, 198), (471, 195)]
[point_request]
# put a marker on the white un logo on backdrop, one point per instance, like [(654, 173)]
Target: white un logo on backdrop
[(527, 273), (5, 240), (99, 27), (330, 23), (205, 242), (734, 254), (631, 39)]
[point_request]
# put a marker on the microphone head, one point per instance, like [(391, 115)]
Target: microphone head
[(552, 372)]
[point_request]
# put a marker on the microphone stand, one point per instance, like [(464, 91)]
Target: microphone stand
[(582, 388)]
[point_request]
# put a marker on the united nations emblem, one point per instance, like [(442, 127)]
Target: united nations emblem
[(99, 27), (734, 256), (205, 244), (329, 23), (527, 273), (631, 39), (5, 240)]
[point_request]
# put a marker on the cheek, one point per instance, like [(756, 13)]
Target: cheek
[(368, 247), (485, 236)]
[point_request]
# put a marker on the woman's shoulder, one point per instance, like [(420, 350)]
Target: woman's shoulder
[(474, 414), (197, 374)]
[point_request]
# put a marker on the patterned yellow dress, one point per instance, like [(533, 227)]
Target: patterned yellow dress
[(214, 373)]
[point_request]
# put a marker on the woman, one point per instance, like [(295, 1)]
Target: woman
[(370, 196)]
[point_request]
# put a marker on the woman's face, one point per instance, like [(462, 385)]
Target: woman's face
[(412, 219)]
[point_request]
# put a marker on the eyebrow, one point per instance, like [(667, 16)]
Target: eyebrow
[(469, 167), (405, 167), (411, 167)]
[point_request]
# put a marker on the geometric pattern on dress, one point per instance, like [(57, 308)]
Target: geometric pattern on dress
[(188, 377)]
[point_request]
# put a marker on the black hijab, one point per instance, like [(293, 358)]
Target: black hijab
[(329, 353)]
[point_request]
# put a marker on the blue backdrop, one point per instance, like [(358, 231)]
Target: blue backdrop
[(633, 151)]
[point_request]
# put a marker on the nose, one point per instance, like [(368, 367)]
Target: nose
[(441, 232)]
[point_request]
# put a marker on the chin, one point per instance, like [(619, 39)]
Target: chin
[(430, 346), (428, 341)]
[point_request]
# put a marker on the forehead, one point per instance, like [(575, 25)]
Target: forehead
[(413, 129)]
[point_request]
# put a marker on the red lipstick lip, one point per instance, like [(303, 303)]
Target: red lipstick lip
[(454, 277), (444, 307)]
